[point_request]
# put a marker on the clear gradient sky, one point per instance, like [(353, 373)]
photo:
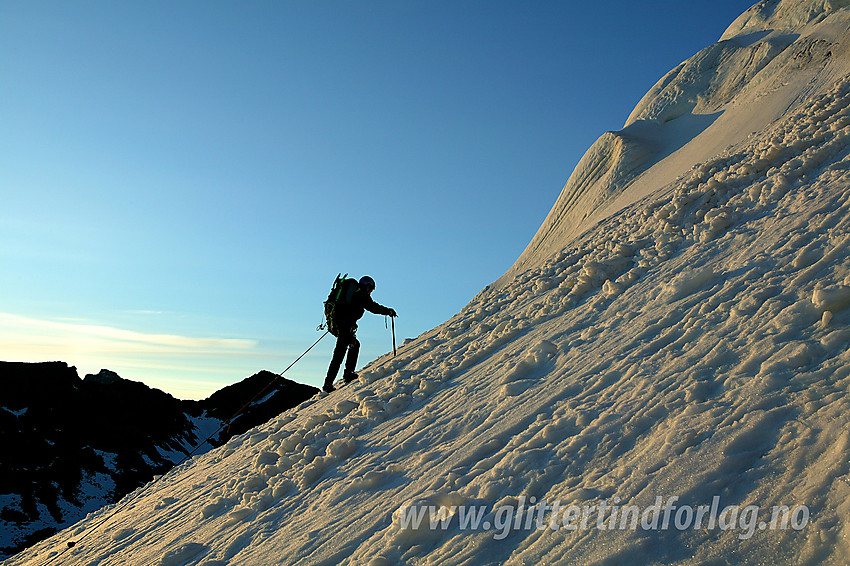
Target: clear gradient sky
[(180, 181)]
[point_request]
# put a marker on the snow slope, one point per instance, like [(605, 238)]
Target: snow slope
[(692, 347), (769, 62)]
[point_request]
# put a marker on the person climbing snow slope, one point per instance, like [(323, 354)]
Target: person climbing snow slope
[(353, 300)]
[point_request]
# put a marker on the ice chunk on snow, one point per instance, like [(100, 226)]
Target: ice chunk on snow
[(181, 554), (165, 502), (252, 483), (240, 514), (371, 407), (687, 283), (290, 443), (611, 288), (265, 458), (341, 448), (122, 533), (513, 389), (213, 508), (344, 407), (832, 298)]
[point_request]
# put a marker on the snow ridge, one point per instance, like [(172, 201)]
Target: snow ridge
[(770, 61), (785, 14)]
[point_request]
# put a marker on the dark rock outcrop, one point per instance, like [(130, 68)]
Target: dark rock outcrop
[(72, 445)]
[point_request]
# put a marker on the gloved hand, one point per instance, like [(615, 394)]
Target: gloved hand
[(392, 313)]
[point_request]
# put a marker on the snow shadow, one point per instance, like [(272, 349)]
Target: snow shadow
[(667, 137)]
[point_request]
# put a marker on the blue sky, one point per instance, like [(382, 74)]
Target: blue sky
[(181, 181)]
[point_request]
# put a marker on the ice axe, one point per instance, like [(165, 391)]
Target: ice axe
[(392, 318)]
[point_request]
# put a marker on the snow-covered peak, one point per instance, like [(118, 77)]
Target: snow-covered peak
[(786, 15), (773, 59)]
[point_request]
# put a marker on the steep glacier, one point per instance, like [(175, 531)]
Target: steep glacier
[(768, 63)]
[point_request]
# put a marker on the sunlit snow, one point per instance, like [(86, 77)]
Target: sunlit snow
[(691, 344)]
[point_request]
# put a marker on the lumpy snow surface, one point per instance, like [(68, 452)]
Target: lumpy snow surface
[(691, 349), (694, 345), (768, 63)]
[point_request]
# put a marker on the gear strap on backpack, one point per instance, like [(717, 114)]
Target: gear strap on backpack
[(341, 292)]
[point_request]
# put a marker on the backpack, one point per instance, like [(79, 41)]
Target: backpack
[(341, 293)]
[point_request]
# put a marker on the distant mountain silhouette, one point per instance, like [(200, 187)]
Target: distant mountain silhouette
[(72, 445)]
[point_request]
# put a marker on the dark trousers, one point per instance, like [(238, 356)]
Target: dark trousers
[(346, 341)]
